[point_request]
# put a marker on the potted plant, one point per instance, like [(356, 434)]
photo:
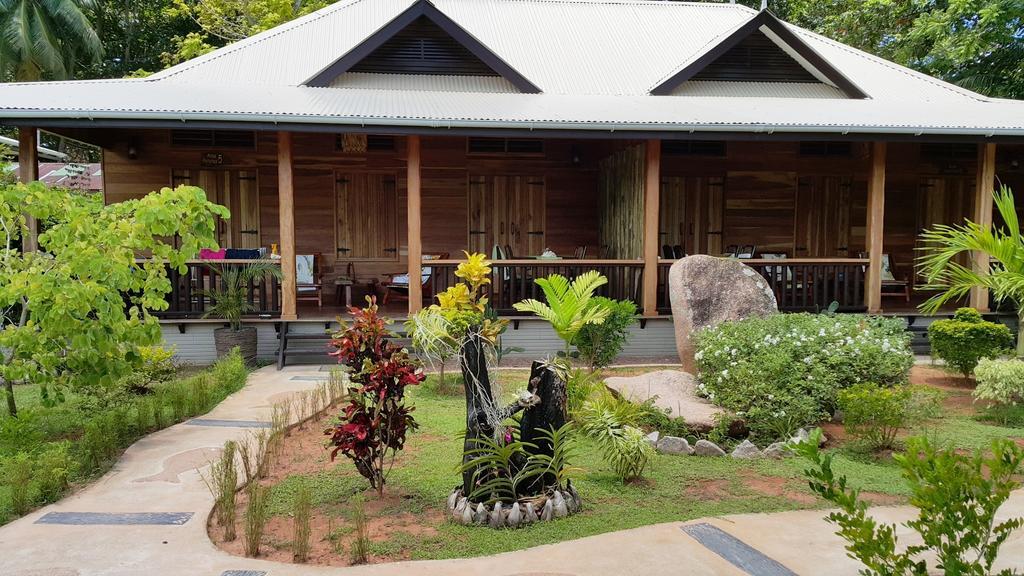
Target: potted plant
[(229, 300)]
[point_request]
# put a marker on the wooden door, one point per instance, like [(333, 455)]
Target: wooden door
[(943, 200), (366, 209), (823, 217), (507, 210), (236, 190), (690, 214)]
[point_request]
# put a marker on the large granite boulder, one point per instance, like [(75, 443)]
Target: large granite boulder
[(706, 291), (672, 390)]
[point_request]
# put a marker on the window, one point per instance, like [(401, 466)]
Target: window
[(832, 149), (505, 146), (213, 139), (693, 148), (756, 59), (367, 216)]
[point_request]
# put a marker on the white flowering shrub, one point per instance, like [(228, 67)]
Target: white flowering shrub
[(782, 372)]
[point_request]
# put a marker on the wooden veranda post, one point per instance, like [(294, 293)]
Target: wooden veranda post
[(986, 182), (652, 199), (875, 228), (28, 171), (415, 246), (286, 210)]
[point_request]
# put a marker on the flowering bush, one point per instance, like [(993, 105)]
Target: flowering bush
[(783, 371), (373, 426), (1000, 384)]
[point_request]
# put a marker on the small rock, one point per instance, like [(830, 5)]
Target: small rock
[(497, 519), (460, 509), (707, 448), (530, 515), (577, 502), (776, 450), (548, 512), (560, 509), (802, 436), (514, 516), (746, 450), (674, 445), (652, 438), (467, 515), (453, 499), (481, 514)]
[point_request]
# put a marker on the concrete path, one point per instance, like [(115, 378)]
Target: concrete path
[(148, 517)]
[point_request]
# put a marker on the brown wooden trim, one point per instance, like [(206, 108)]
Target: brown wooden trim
[(550, 262), (286, 203), (875, 228), (983, 188), (415, 238), (426, 9), (768, 262), (28, 171), (652, 202), (769, 21)]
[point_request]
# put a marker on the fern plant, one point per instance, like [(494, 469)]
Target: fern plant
[(556, 467), (568, 307), (612, 422)]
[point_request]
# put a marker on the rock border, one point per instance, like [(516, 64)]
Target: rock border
[(551, 506), (745, 450)]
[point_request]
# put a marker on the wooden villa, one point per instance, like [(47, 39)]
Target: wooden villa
[(376, 140)]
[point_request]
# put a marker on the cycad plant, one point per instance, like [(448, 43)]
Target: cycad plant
[(568, 308), (1002, 248), (229, 298)]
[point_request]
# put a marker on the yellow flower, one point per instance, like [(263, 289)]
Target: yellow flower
[(476, 270), (455, 297)]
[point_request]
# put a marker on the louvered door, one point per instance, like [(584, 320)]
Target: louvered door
[(367, 216), (236, 190), (690, 214), (508, 211), (823, 217)]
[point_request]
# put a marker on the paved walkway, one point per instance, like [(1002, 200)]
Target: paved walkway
[(154, 507)]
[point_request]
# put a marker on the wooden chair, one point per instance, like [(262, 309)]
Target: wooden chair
[(397, 286), (580, 252), (897, 287), (731, 250), (677, 252), (309, 282), (746, 253), (666, 252)]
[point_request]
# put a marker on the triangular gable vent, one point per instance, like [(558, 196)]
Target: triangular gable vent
[(423, 41), (763, 50)]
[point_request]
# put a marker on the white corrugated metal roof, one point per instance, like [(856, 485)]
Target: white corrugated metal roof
[(595, 62), (720, 89)]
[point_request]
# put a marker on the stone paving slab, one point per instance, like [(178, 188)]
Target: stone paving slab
[(116, 519), (227, 423)]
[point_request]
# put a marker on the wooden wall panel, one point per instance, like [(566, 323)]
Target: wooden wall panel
[(823, 217), (759, 210), (691, 213)]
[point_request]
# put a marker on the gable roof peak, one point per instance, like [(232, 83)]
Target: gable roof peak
[(419, 11), (772, 30)]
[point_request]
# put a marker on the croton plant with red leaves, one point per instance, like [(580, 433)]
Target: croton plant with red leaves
[(373, 426)]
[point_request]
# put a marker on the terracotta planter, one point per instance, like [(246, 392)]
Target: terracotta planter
[(224, 339)]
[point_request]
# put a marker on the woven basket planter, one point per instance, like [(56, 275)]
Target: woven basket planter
[(224, 339)]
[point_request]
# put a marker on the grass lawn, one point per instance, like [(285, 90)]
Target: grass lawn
[(410, 524)]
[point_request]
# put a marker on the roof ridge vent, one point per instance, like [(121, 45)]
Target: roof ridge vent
[(422, 41), (763, 49)]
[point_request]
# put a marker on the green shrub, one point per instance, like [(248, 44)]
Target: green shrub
[(54, 468), (16, 473), (875, 414), (783, 371), (600, 344), (957, 497), (662, 420), (613, 423), (962, 341), (580, 386), (1001, 385)]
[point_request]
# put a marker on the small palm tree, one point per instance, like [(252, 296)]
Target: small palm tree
[(45, 38), (230, 300), (1003, 248), (568, 306)]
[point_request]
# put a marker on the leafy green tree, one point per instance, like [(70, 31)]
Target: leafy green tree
[(1002, 248), (45, 39), (135, 34), (977, 44), (77, 312), (222, 22)]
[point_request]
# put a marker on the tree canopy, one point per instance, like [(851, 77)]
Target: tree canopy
[(46, 39)]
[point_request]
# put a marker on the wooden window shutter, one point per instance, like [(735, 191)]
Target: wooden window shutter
[(367, 216)]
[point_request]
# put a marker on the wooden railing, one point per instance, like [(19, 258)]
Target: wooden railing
[(188, 301), (513, 280), (799, 284)]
